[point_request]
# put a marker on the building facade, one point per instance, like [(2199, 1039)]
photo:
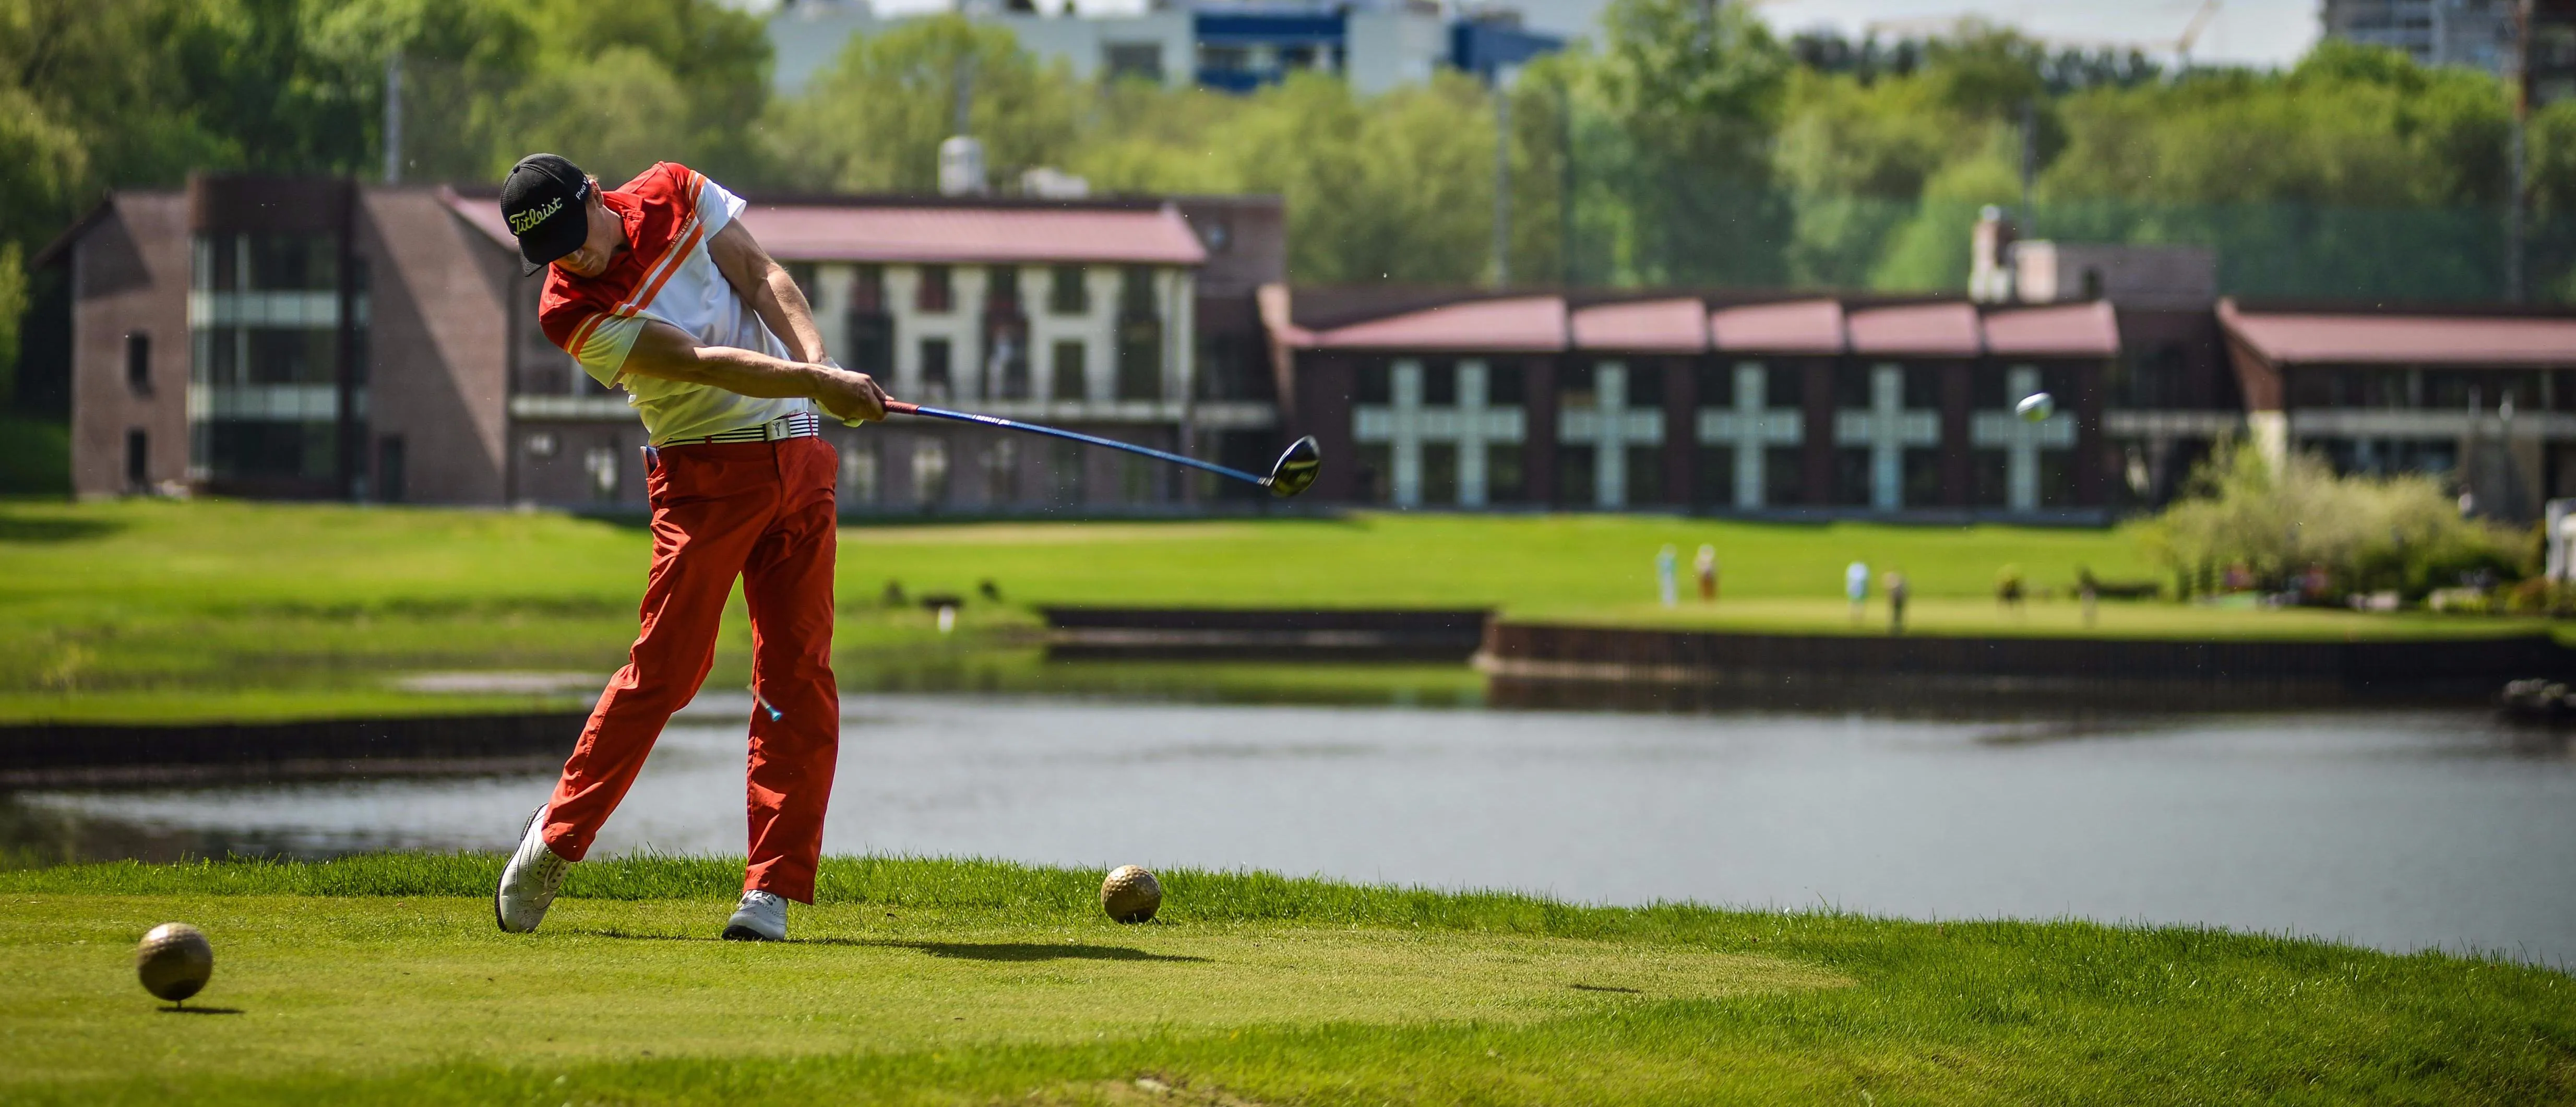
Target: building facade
[(301, 338), (2478, 34), (1233, 47), (1792, 405), (319, 339)]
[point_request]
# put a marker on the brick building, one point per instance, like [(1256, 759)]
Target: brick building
[(303, 338), (321, 339)]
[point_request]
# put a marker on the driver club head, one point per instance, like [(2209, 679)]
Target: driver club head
[(1296, 468)]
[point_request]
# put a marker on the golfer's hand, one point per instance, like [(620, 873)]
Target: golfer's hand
[(850, 397)]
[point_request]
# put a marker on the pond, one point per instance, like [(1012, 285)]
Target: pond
[(2399, 829)]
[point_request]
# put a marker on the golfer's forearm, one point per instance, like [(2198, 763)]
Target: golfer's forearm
[(742, 372), (782, 305)]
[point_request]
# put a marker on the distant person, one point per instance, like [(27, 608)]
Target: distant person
[(1895, 602), (1705, 565), (657, 287), (1856, 588), (2008, 588), (1665, 564)]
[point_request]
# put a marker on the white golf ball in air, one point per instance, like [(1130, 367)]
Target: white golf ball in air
[(2036, 407)]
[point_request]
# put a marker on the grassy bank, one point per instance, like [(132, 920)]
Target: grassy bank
[(144, 610), (381, 979)]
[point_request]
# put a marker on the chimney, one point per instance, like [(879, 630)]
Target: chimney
[(1990, 275), (961, 167)]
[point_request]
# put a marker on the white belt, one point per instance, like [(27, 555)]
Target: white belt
[(803, 424)]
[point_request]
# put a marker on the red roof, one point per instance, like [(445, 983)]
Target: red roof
[(963, 234), (2067, 330), (1515, 323), (2294, 337), (1648, 326), (1922, 330), (1797, 327)]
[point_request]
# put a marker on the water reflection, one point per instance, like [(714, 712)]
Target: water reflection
[(2392, 827)]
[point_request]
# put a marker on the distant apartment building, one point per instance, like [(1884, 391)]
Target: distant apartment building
[(2478, 34), (306, 338), (1233, 46)]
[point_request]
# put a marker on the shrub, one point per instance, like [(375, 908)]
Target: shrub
[(2368, 533)]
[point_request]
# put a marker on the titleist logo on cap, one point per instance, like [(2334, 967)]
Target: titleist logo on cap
[(520, 222)]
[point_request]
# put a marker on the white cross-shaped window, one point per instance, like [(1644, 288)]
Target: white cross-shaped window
[(2020, 439), (1751, 426), (1887, 427), (1405, 424), (1610, 426)]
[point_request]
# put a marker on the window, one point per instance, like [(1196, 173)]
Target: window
[(1002, 290), (1784, 476), (934, 296), (1922, 477), (1136, 291), (600, 464), (1136, 479), (1574, 476), (1505, 481), (543, 444), (867, 288), (1375, 472), (1140, 360), (1066, 293), (1440, 384), (1138, 60), (389, 469), (1645, 475), (138, 460), (1439, 473), (871, 344), (858, 474), (1001, 471), (1372, 384), (1714, 482), (138, 363), (1852, 478), (1716, 385), (929, 471), (1784, 386), (934, 368), (1069, 383), (1503, 385)]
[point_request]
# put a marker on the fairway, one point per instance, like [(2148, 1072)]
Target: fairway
[(153, 611), (382, 979), (366, 986)]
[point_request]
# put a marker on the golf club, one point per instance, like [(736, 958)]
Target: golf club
[(1290, 475)]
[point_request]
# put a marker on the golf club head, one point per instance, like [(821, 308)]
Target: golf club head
[(1296, 468)]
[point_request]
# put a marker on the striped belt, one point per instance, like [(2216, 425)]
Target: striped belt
[(803, 424)]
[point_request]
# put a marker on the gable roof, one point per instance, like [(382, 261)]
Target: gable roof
[(2296, 337), (1917, 330), (1676, 326), (1516, 323), (2063, 330), (942, 233), (1794, 327)]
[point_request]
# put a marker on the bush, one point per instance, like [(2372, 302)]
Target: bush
[(2401, 533)]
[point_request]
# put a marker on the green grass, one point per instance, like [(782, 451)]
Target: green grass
[(152, 610), (381, 979)]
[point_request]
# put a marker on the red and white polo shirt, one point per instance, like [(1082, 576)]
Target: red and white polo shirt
[(670, 212)]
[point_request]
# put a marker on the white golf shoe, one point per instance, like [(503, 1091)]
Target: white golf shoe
[(530, 881), (761, 917)]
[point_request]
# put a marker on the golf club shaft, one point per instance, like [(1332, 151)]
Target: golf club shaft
[(898, 407)]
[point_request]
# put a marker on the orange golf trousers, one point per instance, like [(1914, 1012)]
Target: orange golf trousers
[(761, 511)]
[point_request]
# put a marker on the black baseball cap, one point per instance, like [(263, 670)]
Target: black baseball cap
[(546, 201)]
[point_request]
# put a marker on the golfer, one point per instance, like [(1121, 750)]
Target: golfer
[(657, 288)]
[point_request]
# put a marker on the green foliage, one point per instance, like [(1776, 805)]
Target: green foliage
[(2370, 533), (873, 121)]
